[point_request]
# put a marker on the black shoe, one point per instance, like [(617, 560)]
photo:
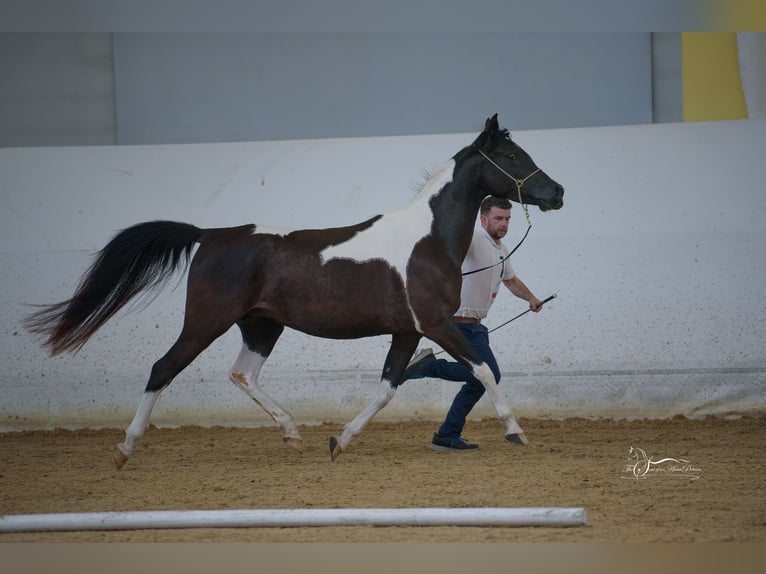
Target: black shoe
[(448, 444), (416, 368)]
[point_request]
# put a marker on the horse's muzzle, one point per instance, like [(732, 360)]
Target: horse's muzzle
[(556, 201)]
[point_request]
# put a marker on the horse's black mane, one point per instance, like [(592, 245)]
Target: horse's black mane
[(417, 186), (425, 176)]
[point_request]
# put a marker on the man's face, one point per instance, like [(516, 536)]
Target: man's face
[(496, 222)]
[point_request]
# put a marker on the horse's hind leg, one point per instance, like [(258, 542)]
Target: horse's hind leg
[(180, 355), (402, 348), (259, 336), (135, 431)]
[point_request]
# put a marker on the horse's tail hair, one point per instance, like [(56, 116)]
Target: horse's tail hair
[(138, 259)]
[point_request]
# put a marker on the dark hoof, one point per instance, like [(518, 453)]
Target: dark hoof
[(519, 439), (335, 449)]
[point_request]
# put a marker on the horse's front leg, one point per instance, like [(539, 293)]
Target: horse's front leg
[(513, 431), (452, 341), (402, 348)]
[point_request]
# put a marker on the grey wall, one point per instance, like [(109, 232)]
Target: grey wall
[(56, 89), (228, 87), (667, 78), (135, 88)]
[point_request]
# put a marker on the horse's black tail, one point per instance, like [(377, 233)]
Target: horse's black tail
[(139, 258)]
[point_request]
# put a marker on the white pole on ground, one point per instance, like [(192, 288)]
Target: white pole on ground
[(299, 517)]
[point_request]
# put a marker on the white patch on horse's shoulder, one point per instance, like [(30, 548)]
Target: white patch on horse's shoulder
[(440, 177), (265, 229), (392, 237)]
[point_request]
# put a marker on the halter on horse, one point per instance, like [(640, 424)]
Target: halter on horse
[(397, 273)]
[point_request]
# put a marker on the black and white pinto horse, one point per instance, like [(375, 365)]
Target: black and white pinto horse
[(397, 273)]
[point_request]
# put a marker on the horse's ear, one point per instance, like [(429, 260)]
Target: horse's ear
[(491, 125), (491, 128)]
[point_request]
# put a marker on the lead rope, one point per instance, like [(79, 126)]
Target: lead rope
[(519, 183)]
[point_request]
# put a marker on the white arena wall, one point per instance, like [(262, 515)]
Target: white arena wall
[(657, 259)]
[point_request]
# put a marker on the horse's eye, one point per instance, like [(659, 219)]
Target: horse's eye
[(511, 156)]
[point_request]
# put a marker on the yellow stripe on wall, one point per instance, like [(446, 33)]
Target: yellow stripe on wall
[(739, 15), (712, 89)]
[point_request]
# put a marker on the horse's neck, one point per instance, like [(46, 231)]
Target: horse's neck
[(451, 197)]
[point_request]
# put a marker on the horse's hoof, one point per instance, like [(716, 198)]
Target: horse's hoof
[(519, 439), (335, 449), (120, 458), (293, 443)]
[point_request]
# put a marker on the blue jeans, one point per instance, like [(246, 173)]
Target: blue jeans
[(470, 393)]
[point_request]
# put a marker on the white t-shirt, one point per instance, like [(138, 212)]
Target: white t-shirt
[(480, 289)]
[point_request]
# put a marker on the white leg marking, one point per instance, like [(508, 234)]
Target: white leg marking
[(355, 426), (140, 420), (244, 374), (484, 374)]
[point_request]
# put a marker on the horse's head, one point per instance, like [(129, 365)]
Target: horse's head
[(509, 171)]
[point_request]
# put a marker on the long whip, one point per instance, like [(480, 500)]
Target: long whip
[(543, 302)]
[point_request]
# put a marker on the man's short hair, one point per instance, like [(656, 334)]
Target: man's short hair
[(491, 201)]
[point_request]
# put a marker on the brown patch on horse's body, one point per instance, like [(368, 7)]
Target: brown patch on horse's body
[(268, 273)]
